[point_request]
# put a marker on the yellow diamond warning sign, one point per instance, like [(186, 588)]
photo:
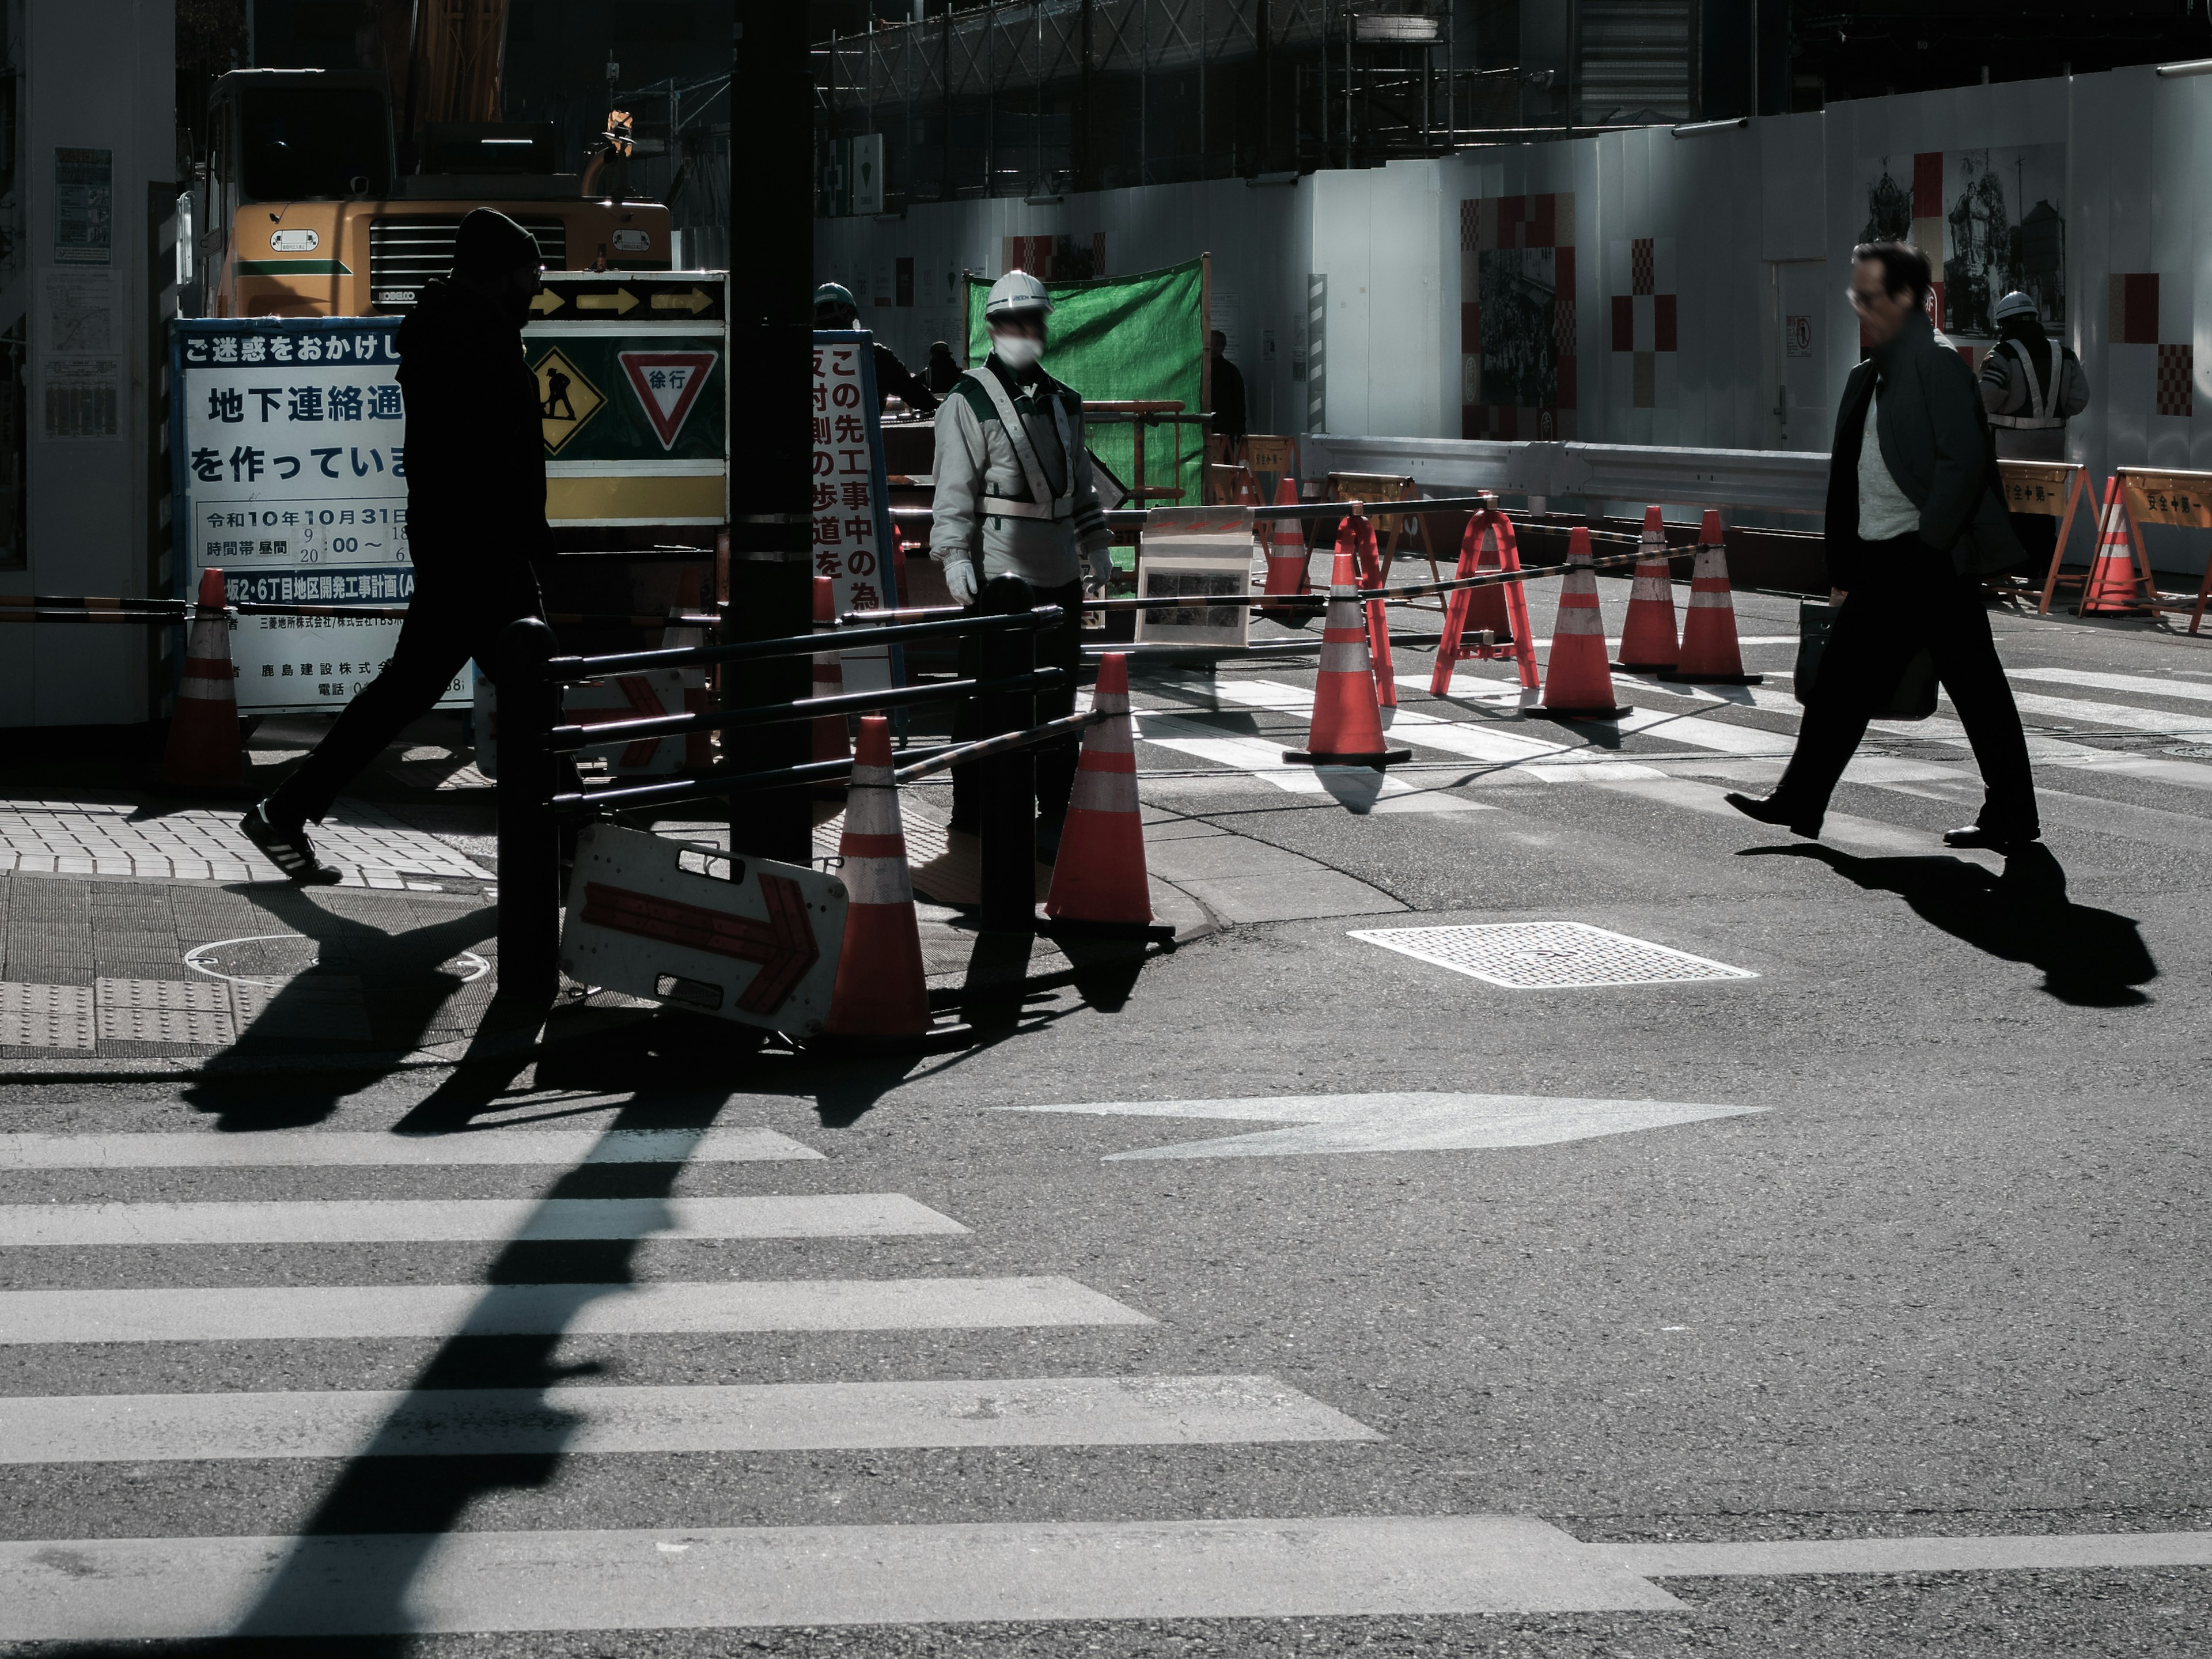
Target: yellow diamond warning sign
[(565, 398)]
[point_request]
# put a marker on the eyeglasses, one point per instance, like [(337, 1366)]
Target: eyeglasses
[(1861, 299)]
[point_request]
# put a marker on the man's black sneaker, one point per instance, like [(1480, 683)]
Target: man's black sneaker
[(1772, 809), (286, 845)]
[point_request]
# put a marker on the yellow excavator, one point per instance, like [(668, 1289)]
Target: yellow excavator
[(315, 206)]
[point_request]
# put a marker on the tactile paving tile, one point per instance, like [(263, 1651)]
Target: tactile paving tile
[(165, 1010), (1549, 955), (45, 1016), (324, 1007)]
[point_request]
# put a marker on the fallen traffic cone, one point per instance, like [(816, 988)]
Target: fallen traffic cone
[(1347, 722), (1710, 654), (832, 739), (1099, 876), (1577, 681), (1287, 556), (205, 747), (1647, 639), (678, 636), (2115, 587), (881, 991)]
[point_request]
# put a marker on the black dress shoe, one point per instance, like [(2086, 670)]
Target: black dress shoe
[(1772, 809), (1997, 840)]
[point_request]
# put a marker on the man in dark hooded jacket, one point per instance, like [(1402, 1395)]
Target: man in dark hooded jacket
[(476, 517)]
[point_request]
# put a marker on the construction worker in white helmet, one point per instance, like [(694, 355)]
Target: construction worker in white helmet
[(2031, 385), (1014, 497)]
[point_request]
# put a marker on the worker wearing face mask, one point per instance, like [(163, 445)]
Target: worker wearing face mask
[(1014, 497)]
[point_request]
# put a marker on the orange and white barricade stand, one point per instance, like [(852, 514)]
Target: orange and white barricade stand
[(1501, 612), (2121, 582), (1375, 489), (1373, 571)]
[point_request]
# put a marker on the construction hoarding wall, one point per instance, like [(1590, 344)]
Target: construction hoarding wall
[(1640, 289)]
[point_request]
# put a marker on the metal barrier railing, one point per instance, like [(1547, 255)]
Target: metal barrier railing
[(533, 806)]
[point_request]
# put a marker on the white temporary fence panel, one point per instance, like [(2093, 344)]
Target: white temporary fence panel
[(1196, 552), (672, 922)]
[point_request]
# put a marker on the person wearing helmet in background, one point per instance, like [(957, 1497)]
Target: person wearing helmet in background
[(2031, 385), (835, 307), (1014, 497)]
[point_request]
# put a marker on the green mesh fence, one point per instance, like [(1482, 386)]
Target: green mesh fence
[(1117, 338)]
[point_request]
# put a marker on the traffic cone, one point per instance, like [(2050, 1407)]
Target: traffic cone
[(1287, 556), (832, 740), (1577, 681), (205, 747), (1710, 654), (2115, 587), (1647, 639), (698, 746), (1347, 722), (1099, 876), (881, 991)]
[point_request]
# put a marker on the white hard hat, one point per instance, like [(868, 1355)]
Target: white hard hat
[(2016, 304), (1016, 291)]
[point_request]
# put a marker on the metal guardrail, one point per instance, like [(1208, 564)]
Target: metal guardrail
[(1754, 480)]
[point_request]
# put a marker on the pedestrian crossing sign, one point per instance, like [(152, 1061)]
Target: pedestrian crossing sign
[(565, 400)]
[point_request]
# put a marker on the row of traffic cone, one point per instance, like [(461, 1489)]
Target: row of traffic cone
[(1098, 878)]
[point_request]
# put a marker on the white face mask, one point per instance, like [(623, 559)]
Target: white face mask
[(1017, 351)]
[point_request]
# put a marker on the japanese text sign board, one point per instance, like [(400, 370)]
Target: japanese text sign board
[(851, 507), (288, 442), (2038, 488), (2171, 498), (634, 387)]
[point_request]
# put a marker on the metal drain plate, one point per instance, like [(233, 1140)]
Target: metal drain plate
[(1554, 956)]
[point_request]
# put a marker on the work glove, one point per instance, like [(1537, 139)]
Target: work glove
[(960, 578), (1097, 568)]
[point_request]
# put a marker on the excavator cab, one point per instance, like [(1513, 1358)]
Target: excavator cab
[(309, 214)]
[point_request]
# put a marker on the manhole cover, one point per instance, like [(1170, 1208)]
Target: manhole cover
[(272, 959), (1549, 955), (2192, 751)]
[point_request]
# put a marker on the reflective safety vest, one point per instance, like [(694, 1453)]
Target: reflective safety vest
[(1041, 503), (2041, 397)]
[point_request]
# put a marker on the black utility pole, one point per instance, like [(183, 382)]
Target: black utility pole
[(771, 421)]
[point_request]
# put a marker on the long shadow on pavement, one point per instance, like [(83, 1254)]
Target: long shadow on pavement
[(2090, 958)]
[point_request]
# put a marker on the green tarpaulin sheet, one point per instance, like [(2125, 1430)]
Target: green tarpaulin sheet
[(1117, 338)]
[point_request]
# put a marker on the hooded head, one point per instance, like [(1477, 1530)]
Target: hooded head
[(498, 258)]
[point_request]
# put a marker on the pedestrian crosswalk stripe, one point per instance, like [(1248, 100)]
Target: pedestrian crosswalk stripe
[(580, 1420), (693, 1578), (329, 1221), (315, 1312), (2149, 685), (1264, 761), (2124, 716), (301, 1148)]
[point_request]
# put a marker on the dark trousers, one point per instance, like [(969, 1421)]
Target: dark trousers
[(453, 616), (1905, 597), (2037, 533), (1056, 647)]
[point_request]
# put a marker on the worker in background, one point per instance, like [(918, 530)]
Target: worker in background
[(476, 518), (2031, 385), (1228, 402), (1014, 498), (835, 307), (940, 372)]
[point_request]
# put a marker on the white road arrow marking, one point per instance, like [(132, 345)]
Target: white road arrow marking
[(1400, 1122)]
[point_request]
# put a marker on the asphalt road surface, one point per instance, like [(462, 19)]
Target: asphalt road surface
[(1834, 1285)]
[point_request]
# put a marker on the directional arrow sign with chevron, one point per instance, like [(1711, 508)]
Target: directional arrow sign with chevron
[(1398, 1122)]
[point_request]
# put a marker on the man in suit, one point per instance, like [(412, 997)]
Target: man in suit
[(1914, 519)]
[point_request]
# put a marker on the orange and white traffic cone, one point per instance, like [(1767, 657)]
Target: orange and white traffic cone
[(1286, 555), (205, 747), (1099, 876), (832, 739), (1347, 721), (1577, 680), (1647, 639), (2115, 587), (1710, 654), (881, 989)]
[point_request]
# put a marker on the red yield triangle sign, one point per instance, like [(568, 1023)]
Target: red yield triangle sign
[(667, 383)]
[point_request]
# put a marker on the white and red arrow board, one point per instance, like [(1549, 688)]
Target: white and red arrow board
[(667, 384), (664, 920), (633, 697)]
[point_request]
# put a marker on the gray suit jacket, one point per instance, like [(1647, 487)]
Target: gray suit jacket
[(1937, 442)]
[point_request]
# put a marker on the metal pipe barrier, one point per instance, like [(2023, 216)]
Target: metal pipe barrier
[(533, 808), (78, 607)]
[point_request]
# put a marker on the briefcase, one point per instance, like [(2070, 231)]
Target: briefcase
[(1914, 697)]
